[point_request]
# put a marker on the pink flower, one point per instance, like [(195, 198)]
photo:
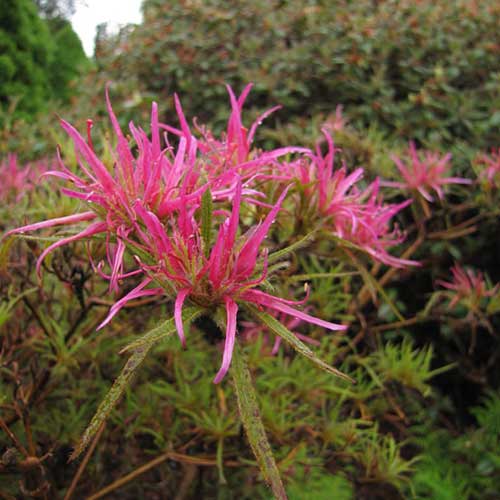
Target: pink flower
[(158, 178), (150, 202), (17, 180), (370, 228), (490, 168), (468, 286), (425, 172), (228, 274), (337, 123), (231, 156), (358, 216)]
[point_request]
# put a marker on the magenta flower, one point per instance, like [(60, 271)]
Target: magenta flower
[(425, 172), (155, 179), (337, 123), (17, 180), (226, 275), (490, 168), (371, 229), (468, 286), (359, 217), (150, 203), (231, 156)]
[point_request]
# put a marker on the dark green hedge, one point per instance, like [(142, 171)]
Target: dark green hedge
[(38, 59), (427, 70)]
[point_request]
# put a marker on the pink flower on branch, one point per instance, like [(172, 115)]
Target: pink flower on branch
[(226, 276), (425, 172), (467, 285), (157, 179), (358, 216), (489, 165), (17, 179), (151, 203)]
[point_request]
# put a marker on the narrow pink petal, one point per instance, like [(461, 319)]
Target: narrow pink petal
[(178, 167), (97, 227), (217, 266), (117, 265), (59, 221), (234, 125), (68, 176), (112, 117), (104, 177), (273, 304), (170, 129), (182, 119), (244, 95), (133, 294), (457, 180), (259, 296), (259, 121), (248, 254), (155, 228), (155, 132), (179, 301), (231, 311), (276, 346), (234, 219), (425, 194)]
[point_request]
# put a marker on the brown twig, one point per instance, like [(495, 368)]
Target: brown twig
[(399, 324), (13, 438), (129, 477), (178, 457), (190, 473), (84, 463), (38, 318), (364, 294)]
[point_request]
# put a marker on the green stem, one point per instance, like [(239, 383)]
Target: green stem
[(252, 422)]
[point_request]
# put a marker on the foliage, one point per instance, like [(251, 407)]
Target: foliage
[(39, 58), (421, 70), (27, 49)]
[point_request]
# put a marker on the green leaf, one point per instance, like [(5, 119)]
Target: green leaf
[(206, 219), (5, 246), (111, 399), (164, 330), (275, 256), (373, 284), (252, 422), (140, 349), (281, 330)]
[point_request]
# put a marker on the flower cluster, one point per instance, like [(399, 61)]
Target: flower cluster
[(489, 166), (468, 286), (425, 172), (18, 179), (177, 206), (357, 216)]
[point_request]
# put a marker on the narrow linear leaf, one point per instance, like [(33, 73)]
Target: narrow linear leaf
[(111, 399), (5, 247), (140, 349), (291, 248), (252, 422), (206, 219), (281, 330), (373, 284), (163, 330), (311, 276), (433, 300)]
